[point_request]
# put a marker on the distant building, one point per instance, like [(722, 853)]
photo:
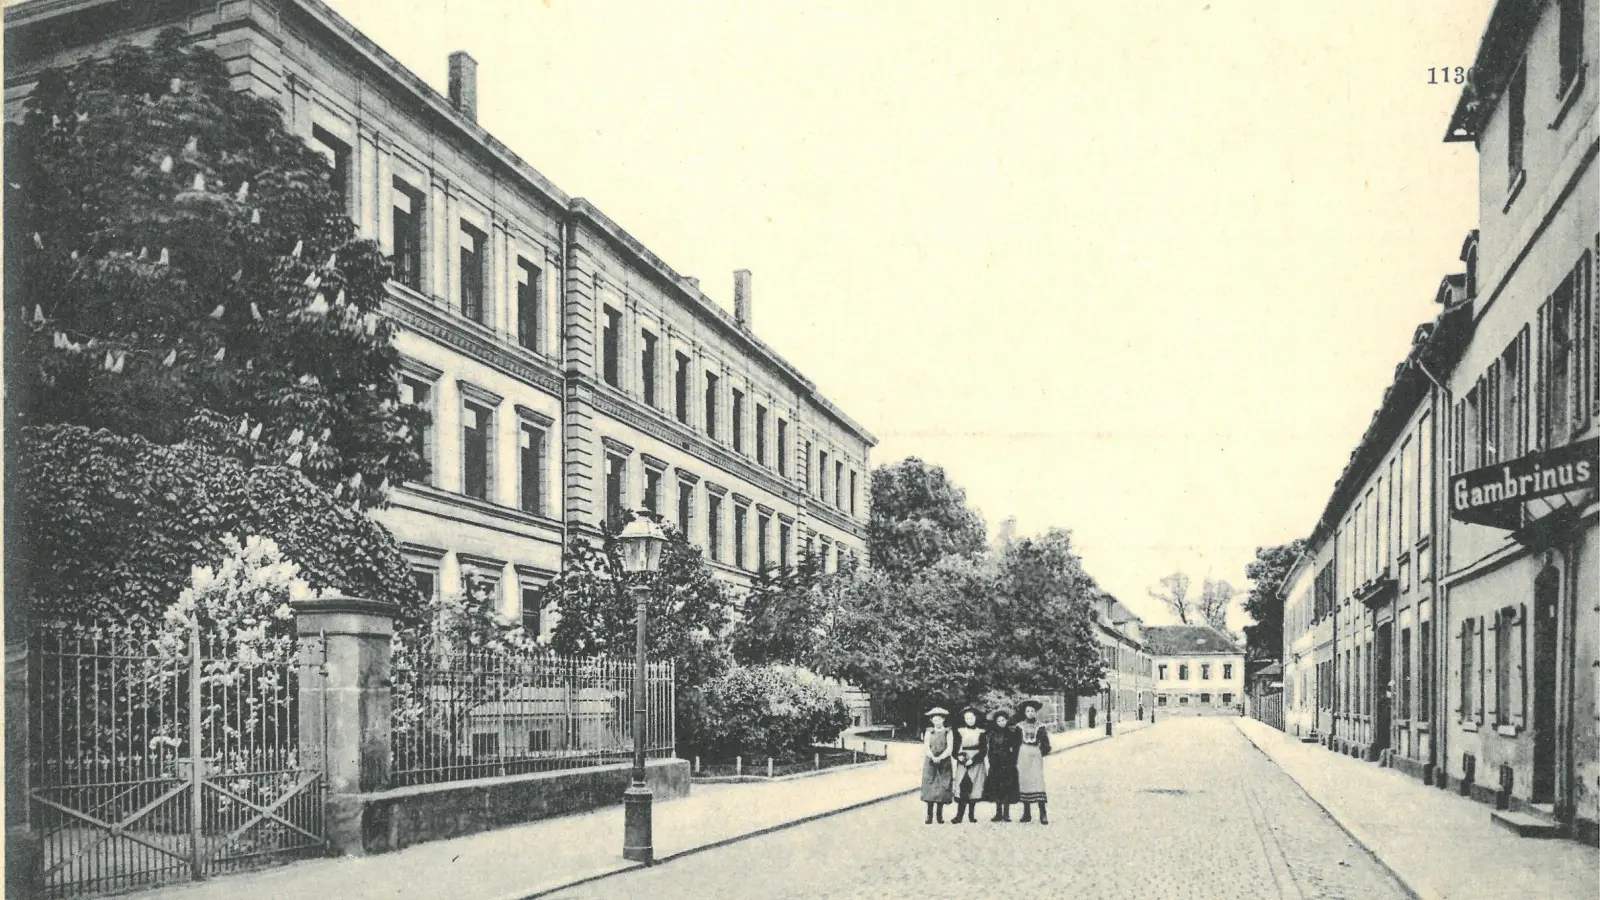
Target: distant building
[(1198, 670), (1127, 689)]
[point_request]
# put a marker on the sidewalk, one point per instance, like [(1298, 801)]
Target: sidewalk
[(1439, 844), (541, 857)]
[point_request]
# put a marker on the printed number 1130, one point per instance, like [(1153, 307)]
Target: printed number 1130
[(1448, 75)]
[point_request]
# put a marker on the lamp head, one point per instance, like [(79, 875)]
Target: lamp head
[(642, 541)]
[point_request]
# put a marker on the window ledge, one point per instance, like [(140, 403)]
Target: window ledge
[(1569, 98), (1507, 730), (1402, 723), (1422, 727), (1517, 183), (1469, 726)]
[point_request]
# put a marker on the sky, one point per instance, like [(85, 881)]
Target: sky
[(1141, 270)]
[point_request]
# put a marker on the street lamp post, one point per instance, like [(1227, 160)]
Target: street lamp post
[(641, 541)]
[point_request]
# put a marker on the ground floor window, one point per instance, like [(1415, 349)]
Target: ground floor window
[(1161, 700), (1183, 701), (1227, 699), (1205, 698)]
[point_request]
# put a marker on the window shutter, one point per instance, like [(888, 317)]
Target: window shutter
[(1541, 399), (1523, 380), (1519, 650), (1459, 670), (1594, 329), (1491, 709), (1482, 666)]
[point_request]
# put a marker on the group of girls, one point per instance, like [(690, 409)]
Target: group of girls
[(1000, 763)]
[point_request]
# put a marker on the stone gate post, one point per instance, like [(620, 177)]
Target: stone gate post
[(344, 705)]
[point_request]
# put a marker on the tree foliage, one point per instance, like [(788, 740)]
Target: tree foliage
[(1174, 595), (179, 267), (1216, 595), (1264, 637), (919, 517), (115, 525), (784, 617), (777, 711)]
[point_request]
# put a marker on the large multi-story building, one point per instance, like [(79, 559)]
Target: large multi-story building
[(569, 371), (1446, 614), (1126, 690), (1198, 670)]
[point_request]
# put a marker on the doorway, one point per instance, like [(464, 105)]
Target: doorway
[(1546, 625), (1383, 666)]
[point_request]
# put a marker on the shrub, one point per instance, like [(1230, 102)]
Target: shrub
[(776, 711), (115, 525)]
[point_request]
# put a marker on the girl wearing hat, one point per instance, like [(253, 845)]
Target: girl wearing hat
[(1030, 762), (971, 748), (1001, 784), (937, 746)]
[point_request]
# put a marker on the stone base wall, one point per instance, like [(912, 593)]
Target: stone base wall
[(383, 821)]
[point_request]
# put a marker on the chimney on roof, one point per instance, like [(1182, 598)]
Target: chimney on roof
[(741, 297), (464, 84)]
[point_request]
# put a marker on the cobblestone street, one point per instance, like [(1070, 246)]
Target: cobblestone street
[(1188, 808)]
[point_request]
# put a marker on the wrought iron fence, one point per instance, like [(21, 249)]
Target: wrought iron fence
[(153, 761), (481, 714)]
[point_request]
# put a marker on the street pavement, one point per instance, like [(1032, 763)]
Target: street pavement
[(1187, 808)]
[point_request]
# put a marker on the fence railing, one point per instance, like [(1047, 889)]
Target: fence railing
[(1268, 708), (159, 760), (480, 714)]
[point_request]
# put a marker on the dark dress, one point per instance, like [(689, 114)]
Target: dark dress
[(1002, 784)]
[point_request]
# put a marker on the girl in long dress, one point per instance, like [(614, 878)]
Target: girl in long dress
[(969, 765), (1030, 762), (1000, 787), (937, 745)]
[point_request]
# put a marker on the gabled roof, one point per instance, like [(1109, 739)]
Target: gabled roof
[(1188, 640)]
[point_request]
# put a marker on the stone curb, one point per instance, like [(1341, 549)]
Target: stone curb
[(1413, 888), (623, 868), (778, 779)]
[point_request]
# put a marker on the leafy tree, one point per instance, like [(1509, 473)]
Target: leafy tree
[(180, 267), (114, 526), (1216, 595), (687, 615), (1264, 637), (1042, 620), (1174, 595), (776, 711), (783, 617), (919, 517)]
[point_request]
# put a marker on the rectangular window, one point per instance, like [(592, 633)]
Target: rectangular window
[(407, 236), (337, 153), (610, 347), (418, 392), (1403, 523), (785, 541), (741, 515), (1570, 52), (530, 611), (822, 475), (1513, 401), (477, 424), (1516, 122), (1227, 671), (809, 466), (680, 383), (1183, 672), (1205, 698), (783, 448), (714, 526), (1403, 701), (763, 537), (1568, 357), (1359, 701), (1471, 439), (1424, 479), (532, 463), (686, 509), (1468, 684), (1424, 670), (761, 434), (530, 305), (616, 489), (472, 280), (1162, 672), (652, 490), (736, 426), (647, 366), (838, 485), (1503, 632), (852, 492), (711, 405), (427, 581), (1205, 672)]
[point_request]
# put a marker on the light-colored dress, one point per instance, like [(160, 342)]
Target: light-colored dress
[(936, 766), (970, 763), (1030, 762)]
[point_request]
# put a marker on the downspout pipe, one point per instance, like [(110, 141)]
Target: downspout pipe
[(1441, 604)]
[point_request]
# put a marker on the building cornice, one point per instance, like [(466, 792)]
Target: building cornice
[(412, 311)]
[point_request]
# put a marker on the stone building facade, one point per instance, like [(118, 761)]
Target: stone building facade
[(1465, 646), (569, 371), (1126, 691), (1198, 670)]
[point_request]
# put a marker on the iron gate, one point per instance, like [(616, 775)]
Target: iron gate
[(152, 762)]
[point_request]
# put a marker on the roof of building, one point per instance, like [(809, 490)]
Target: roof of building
[(1511, 25), (1188, 640), (1271, 670)]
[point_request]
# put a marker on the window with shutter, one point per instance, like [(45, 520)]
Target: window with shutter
[(1520, 650), (1482, 685), (1497, 697)]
